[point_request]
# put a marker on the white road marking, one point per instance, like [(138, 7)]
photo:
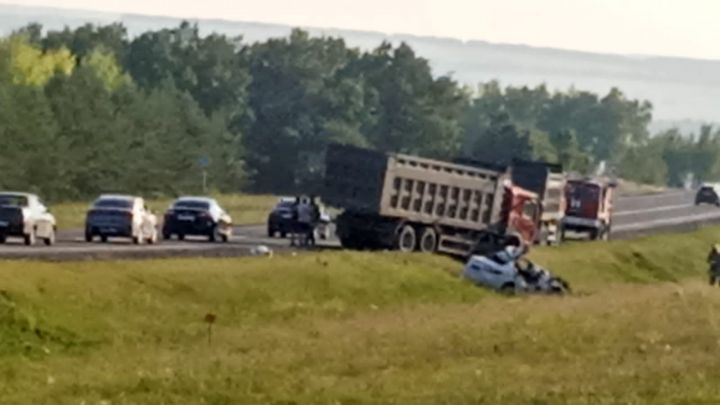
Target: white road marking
[(667, 221), (654, 209)]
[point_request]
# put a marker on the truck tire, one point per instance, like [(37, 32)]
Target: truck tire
[(88, 236), (428, 240), (406, 239), (2, 239)]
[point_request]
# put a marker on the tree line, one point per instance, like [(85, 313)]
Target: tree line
[(91, 110)]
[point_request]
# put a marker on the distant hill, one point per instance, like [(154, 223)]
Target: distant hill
[(682, 90)]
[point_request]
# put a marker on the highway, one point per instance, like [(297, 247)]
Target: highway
[(633, 216), (648, 214)]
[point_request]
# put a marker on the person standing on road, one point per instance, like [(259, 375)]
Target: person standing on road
[(294, 222), (713, 260), (305, 222), (315, 220)]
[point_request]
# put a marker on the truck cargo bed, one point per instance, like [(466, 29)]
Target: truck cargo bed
[(413, 189)]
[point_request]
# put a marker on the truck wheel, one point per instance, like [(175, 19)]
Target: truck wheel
[(88, 236), (605, 235), (181, 236), (2, 239), (428, 240), (103, 238), (406, 240), (30, 238)]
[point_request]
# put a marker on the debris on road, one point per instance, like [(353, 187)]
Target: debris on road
[(261, 250)]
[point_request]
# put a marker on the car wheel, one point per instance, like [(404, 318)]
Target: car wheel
[(103, 238), (30, 238), (212, 236), (50, 240), (153, 238)]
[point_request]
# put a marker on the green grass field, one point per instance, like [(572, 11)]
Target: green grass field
[(244, 209), (359, 328)]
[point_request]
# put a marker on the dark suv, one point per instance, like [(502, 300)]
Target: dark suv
[(281, 218), (708, 194)]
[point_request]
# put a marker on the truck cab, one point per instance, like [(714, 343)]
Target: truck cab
[(589, 208), (521, 214)]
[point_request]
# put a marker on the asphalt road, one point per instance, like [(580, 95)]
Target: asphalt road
[(633, 216), (649, 214)]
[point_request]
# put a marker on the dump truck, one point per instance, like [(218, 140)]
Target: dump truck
[(548, 181), (589, 208), (409, 203)]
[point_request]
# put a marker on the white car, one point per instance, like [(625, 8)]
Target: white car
[(494, 272), (505, 272), (24, 215)]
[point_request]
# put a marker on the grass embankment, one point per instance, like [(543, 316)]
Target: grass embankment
[(349, 328), (244, 209)]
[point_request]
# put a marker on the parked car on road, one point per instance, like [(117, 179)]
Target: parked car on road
[(280, 220), (197, 216), (121, 216), (708, 194), (24, 215)]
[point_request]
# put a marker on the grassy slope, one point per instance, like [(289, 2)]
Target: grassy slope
[(362, 328), (244, 209)]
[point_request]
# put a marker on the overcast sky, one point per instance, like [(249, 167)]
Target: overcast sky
[(660, 27)]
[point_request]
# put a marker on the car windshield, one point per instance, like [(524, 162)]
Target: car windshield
[(588, 191), (193, 204), (13, 200), (284, 205), (113, 203)]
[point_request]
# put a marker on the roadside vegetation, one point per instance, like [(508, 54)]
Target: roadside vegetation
[(351, 328), (151, 113), (245, 209)]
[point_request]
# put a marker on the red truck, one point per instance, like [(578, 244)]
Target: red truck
[(407, 203), (589, 208)]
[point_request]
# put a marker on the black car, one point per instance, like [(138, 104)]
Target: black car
[(280, 219), (708, 194), (197, 216)]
